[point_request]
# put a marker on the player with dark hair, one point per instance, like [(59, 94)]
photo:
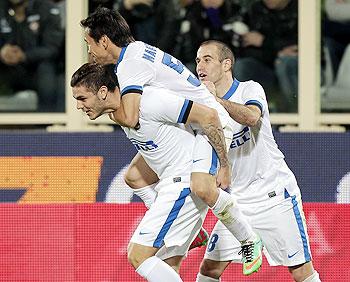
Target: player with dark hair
[(138, 66)]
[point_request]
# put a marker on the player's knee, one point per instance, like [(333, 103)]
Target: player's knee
[(134, 259), (204, 187), (175, 262), (200, 191), (301, 272), (210, 269), (130, 179)]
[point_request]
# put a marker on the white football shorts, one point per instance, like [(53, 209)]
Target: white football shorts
[(282, 229), (174, 219)]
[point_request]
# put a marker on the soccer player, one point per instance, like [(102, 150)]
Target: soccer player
[(263, 185), (140, 66), (176, 215)]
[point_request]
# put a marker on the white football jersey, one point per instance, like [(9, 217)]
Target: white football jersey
[(141, 65), (162, 139), (259, 171)]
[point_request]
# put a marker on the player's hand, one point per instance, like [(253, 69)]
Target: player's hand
[(210, 86), (223, 180)]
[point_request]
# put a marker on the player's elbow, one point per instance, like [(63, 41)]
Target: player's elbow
[(252, 120), (211, 116), (131, 121)]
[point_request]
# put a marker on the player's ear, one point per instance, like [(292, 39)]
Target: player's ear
[(227, 64), (102, 92), (104, 40)]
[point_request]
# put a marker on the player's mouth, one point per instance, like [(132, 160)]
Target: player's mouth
[(202, 76)]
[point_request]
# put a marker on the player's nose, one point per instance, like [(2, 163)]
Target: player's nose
[(199, 68), (79, 105)]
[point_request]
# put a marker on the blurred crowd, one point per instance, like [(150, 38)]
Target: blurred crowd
[(31, 55), (262, 33), (336, 51)]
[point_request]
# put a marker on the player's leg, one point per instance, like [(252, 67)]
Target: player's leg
[(282, 227), (304, 273), (223, 206), (150, 267), (142, 179), (173, 220), (211, 270), (222, 248), (175, 262), (203, 184)]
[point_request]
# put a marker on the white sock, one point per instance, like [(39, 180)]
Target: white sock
[(229, 214), (313, 278), (202, 278), (147, 194), (154, 269)]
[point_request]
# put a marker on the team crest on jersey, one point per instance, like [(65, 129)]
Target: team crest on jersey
[(240, 138), (144, 146)]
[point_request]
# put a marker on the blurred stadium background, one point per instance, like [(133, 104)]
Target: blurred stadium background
[(67, 215)]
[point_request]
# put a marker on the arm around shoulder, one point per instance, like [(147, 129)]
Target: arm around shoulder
[(244, 114), (131, 106)]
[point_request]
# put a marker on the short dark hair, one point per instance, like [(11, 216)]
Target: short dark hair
[(224, 51), (93, 76), (108, 22)]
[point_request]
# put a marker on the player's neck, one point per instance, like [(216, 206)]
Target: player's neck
[(115, 52), (223, 85)]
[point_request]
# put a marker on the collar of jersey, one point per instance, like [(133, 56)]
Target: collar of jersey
[(121, 56), (232, 90)]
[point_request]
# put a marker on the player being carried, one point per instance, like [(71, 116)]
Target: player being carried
[(139, 66)]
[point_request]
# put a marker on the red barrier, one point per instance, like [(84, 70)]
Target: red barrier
[(87, 242)]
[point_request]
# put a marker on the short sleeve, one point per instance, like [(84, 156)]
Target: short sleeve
[(162, 106), (133, 75), (254, 94)]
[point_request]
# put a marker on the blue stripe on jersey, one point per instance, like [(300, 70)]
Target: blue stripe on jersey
[(255, 103), (299, 220), (121, 56), (183, 111), (171, 217), (129, 89), (241, 133), (232, 89), (214, 163)]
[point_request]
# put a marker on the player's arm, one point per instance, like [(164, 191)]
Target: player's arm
[(209, 121), (128, 114), (133, 75), (244, 114), (248, 114)]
